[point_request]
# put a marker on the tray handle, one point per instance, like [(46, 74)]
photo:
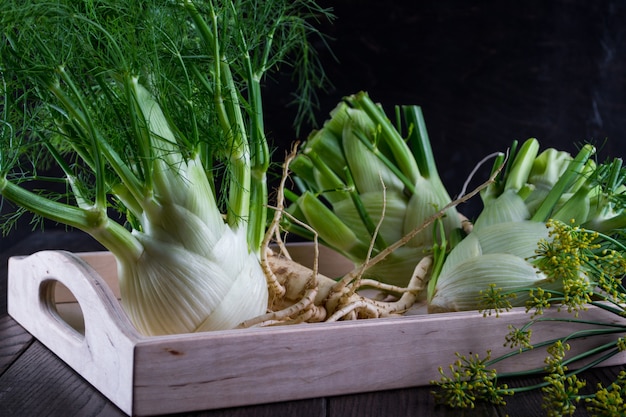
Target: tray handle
[(103, 354)]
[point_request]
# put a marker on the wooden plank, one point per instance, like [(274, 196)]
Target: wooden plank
[(401, 402), (106, 267), (13, 341), (40, 384), (3, 300), (303, 408)]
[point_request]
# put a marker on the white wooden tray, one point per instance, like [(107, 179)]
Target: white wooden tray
[(180, 373)]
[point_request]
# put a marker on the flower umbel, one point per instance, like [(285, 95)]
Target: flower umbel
[(470, 381), (539, 301), (609, 401), (493, 299), (568, 255), (519, 338), (568, 248), (562, 391)]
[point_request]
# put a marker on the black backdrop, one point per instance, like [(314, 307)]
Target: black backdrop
[(487, 72), (484, 72)]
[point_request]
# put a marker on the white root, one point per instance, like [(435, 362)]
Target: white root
[(276, 290), (299, 294), (373, 308)]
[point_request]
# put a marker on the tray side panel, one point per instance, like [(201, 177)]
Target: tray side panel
[(307, 361)]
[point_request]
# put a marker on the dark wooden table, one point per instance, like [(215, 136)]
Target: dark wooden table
[(34, 382)]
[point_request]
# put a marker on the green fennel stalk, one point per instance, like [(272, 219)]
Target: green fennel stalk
[(153, 109)]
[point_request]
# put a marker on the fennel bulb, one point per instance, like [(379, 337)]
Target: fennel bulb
[(496, 254), (530, 201), (358, 171), (171, 289)]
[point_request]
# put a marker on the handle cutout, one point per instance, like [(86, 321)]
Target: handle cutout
[(61, 304)]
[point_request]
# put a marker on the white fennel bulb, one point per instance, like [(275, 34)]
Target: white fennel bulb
[(170, 289)]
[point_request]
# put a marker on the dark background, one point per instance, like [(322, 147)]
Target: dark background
[(487, 72), (484, 72)]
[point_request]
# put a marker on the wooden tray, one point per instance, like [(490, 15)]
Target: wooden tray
[(187, 372)]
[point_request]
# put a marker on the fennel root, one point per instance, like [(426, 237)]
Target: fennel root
[(311, 297), (300, 294)]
